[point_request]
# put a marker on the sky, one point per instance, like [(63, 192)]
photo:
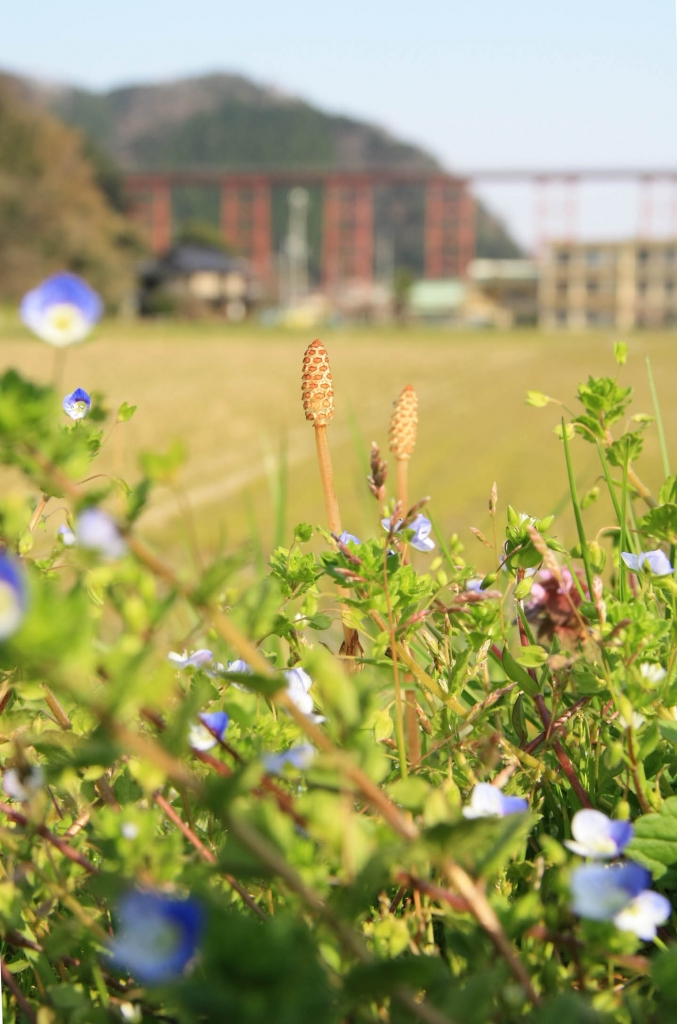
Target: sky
[(480, 83)]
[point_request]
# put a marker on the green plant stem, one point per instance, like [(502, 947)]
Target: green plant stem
[(577, 510), (624, 533), (399, 716), (659, 419)]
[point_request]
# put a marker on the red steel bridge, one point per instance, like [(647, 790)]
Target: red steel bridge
[(348, 209)]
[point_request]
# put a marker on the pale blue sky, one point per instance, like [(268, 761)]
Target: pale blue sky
[(478, 82)]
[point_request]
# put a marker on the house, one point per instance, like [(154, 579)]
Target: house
[(197, 280)]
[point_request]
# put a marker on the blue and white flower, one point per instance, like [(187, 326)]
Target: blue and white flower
[(487, 801), (22, 785), (13, 596), (421, 527), (158, 935), (97, 531), (619, 893), (657, 562), (66, 536), (77, 404), (61, 310), (298, 689), (597, 836), (198, 659), (652, 672), (206, 733), (239, 666), (349, 538), (300, 757)]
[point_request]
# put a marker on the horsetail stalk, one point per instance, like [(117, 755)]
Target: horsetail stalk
[(402, 438), (317, 391)]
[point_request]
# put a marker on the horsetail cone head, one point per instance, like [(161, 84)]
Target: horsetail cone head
[(316, 385), (404, 423)]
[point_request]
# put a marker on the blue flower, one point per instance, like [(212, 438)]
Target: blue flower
[(211, 728), (98, 531), (77, 404), (13, 596), (487, 801), (349, 538), (298, 689), (657, 561), (298, 757), (597, 836), (619, 893), (158, 935), (66, 536), (61, 310), (421, 527)]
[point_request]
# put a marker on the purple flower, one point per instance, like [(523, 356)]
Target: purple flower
[(98, 531), (487, 801), (421, 528), (13, 596), (298, 757), (656, 561), (349, 538), (158, 935), (77, 404), (61, 310), (597, 836), (211, 728), (619, 893)]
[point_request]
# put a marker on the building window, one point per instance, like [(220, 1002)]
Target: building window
[(592, 286), (642, 287), (594, 258), (563, 257), (643, 256), (671, 255), (670, 285)]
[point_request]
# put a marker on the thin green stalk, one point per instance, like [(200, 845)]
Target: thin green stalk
[(659, 419), (624, 530), (609, 480), (577, 509)]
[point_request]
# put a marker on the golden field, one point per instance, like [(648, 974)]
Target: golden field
[(232, 395)]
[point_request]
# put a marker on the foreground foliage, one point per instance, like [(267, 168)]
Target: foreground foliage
[(259, 830)]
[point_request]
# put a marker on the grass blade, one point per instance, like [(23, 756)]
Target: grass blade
[(659, 420), (577, 509)]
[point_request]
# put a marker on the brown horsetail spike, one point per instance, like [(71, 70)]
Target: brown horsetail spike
[(403, 424), (317, 392), (317, 387)]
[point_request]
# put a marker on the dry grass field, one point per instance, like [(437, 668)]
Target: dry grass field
[(233, 397)]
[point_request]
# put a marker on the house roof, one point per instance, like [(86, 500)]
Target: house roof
[(188, 258)]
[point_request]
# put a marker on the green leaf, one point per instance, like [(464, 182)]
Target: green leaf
[(532, 657), (303, 532), (483, 845), (320, 621), (163, 468), (661, 523), (519, 675), (620, 352), (125, 412), (569, 429), (655, 840), (537, 399), (410, 793)]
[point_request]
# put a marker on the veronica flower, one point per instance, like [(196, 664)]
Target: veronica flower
[(77, 404), (158, 935), (198, 659), (243, 667), (619, 893), (22, 785), (597, 836), (98, 531), (206, 733), (348, 538), (421, 526), (487, 801), (13, 596), (300, 757), (66, 536), (652, 672), (474, 585), (656, 561), (298, 689), (129, 830), (61, 310)]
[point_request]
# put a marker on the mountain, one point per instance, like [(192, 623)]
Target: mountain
[(52, 213), (228, 121)]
